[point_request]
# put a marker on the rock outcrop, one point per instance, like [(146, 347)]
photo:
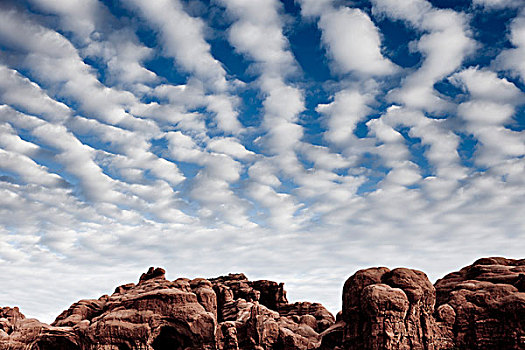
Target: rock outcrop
[(226, 313), (389, 309), (257, 315), (18, 332), (482, 306)]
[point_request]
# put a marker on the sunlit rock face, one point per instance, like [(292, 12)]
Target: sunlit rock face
[(482, 306), (228, 312), (384, 309), (486, 304)]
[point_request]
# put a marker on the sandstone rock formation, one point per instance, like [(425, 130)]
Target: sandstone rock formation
[(485, 304), (18, 332), (385, 309), (228, 312), (482, 306)]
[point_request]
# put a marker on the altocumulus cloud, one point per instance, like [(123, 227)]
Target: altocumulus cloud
[(290, 140)]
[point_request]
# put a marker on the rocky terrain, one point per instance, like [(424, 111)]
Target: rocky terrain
[(481, 306)]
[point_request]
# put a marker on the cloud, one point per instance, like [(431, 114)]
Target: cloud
[(230, 147), (486, 85), (183, 38), (492, 104), (354, 43), (444, 45), (19, 91), (511, 59), (351, 38), (211, 186), (107, 167), (348, 108), (77, 16), (413, 11), (497, 4), (257, 32)]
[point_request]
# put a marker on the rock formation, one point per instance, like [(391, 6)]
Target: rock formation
[(227, 313), (385, 309), (482, 306)]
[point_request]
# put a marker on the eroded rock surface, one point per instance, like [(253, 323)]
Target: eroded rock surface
[(20, 333), (482, 306), (257, 315), (485, 304), (225, 313), (389, 309)]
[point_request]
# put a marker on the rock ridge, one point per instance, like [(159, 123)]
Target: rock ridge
[(481, 306)]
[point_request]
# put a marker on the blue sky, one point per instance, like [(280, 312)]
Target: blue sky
[(291, 140)]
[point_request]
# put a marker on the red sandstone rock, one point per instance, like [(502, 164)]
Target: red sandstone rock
[(482, 306), (263, 318), (332, 338), (226, 313), (385, 309), (322, 317), (488, 306), (20, 333)]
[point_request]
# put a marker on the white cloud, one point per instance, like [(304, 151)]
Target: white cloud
[(492, 105), (412, 11), (211, 186), (29, 37), (77, 16), (314, 7), (183, 39), (231, 147), (512, 59), (348, 108), (444, 45), (27, 169), (405, 175), (108, 169), (354, 43), (78, 160), (486, 85), (19, 91), (323, 158), (351, 38), (98, 33), (124, 57), (257, 32)]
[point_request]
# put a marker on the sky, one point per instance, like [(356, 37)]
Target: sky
[(296, 141)]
